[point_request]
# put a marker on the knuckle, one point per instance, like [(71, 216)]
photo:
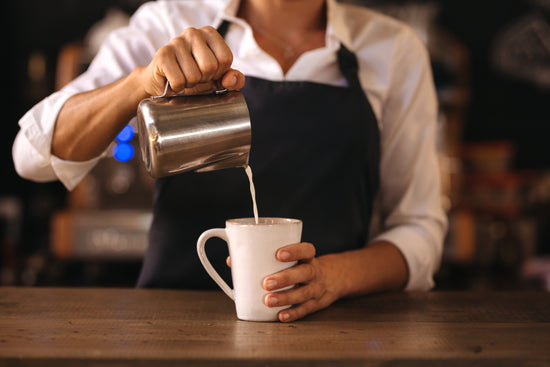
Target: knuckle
[(209, 68), (284, 280), (284, 298), (164, 52), (225, 60), (320, 291), (209, 29), (177, 85), (193, 79), (177, 44), (295, 314), (307, 292), (190, 33), (310, 271)]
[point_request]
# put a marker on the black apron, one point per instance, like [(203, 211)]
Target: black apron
[(315, 156)]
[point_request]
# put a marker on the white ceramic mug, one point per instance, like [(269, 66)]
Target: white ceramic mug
[(252, 248)]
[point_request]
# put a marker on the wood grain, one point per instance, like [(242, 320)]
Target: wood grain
[(118, 327)]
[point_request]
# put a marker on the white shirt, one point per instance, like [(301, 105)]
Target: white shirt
[(394, 71)]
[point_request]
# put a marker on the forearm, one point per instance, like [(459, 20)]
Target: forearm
[(378, 267), (89, 121), (195, 61)]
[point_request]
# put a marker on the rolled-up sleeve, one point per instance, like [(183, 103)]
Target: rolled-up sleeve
[(124, 50), (410, 193), (31, 150)]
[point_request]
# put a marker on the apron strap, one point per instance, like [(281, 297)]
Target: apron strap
[(349, 66), (222, 29)]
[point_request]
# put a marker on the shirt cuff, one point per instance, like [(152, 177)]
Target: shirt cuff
[(38, 124), (71, 173), (38, 131), (421, 254)]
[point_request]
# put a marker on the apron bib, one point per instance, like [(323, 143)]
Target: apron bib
[(315, 156)]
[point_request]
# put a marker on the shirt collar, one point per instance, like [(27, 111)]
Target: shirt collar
[(335, 33), (338, 25), (227, 12)]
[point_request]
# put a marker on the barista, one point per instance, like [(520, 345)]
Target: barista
[(343, 114)]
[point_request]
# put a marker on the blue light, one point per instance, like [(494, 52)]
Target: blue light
[(126, 134), (123, 152)]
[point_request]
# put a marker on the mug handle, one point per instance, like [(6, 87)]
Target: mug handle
[(220, 233)]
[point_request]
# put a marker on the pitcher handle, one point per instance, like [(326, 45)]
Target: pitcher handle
[(220, 233), (215, 91)]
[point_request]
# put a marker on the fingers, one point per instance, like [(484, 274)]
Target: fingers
[(195, 57), (198, 55), (302, 310), (303, 277), (297, 252), (304, 300), (302, 273), (308, 292), (308, 289), (184, 72), (295, 296), (233, 80), (222, 54), (299, 274)]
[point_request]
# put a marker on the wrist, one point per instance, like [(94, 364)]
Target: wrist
[(337, 274), (380, 266), (135, 85)]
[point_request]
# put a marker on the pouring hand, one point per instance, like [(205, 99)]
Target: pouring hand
[(195, 61)]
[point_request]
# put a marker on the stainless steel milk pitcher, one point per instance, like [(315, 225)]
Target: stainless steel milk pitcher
[(194, 133)]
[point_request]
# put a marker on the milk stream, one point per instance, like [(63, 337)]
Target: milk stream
[(252, 192)]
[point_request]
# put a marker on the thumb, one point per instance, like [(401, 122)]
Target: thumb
[(232, 80)]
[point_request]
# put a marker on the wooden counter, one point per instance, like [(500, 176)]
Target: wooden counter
[(119, 327)]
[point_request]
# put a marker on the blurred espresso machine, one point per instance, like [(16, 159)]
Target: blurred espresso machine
[(109, 212)]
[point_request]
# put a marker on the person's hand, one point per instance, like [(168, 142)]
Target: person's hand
[(195, 61), (315, 285), (317, 282)]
